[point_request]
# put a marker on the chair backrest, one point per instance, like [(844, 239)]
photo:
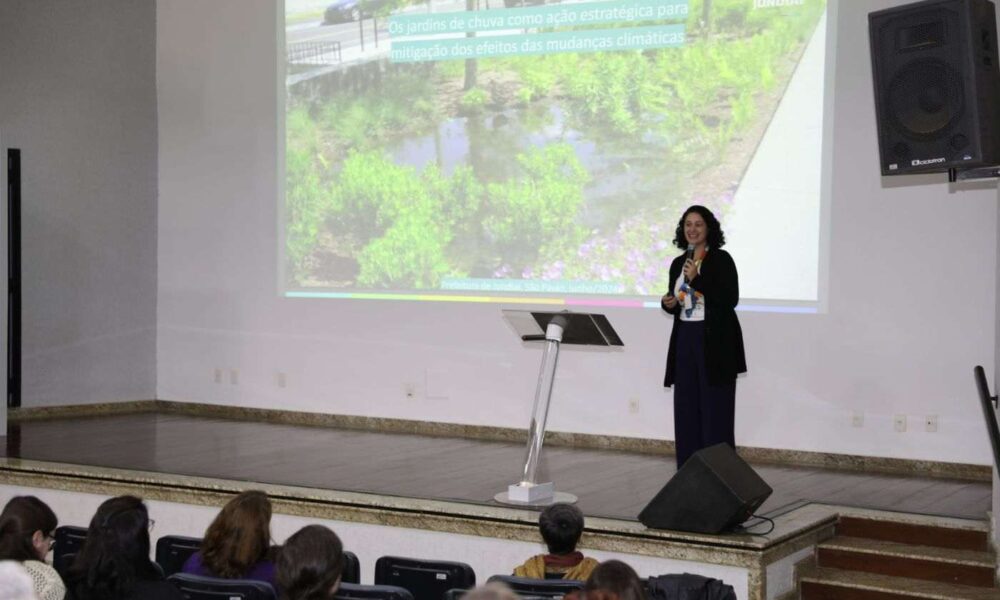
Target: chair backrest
[(172, 551), (196, 587), (426, 579), (541, 588), (69, 540), (354, 591), (352, 568)]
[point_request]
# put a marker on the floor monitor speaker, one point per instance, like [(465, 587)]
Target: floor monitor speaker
[(713, 492)]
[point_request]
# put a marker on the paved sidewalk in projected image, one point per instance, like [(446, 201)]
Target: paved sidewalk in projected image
[(776, 210)]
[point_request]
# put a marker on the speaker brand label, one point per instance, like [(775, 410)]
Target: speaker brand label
[(929, 161)]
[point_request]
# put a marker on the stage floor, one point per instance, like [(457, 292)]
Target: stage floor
[(609, 484)]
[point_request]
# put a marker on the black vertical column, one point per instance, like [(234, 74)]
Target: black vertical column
[(13, 278)]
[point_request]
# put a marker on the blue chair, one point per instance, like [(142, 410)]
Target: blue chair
[(172, 551), (196, 587), (354, 591), (426, 579), (539, 588), (68, 541)]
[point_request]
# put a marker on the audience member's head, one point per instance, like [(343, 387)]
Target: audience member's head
[(491, 591), (27, 526), (15, 583), (239, 536), (310, 564), (616, 578), (561, 526), (591, 595), (115, 554)]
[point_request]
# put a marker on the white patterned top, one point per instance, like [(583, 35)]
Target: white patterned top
[(48, 584)]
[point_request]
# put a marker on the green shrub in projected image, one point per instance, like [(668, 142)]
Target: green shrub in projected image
[(552, 166)]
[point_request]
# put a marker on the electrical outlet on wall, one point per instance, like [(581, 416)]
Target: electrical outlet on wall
[(931, 423), (217, 376), (899, 423), (857, 419), (281, 379), (234, 376), (633, 404), (410, 390)]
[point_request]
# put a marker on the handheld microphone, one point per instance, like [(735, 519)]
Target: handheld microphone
[(689, 255)]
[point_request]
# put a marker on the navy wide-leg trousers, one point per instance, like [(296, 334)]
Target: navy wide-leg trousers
[(704, 414)]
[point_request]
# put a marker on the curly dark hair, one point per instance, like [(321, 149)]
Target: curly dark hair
[(115, 555), (714, 238)]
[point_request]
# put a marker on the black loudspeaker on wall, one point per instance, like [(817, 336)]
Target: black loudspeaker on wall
[(937, 85), (713, 492)]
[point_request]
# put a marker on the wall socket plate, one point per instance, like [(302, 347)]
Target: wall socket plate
[(633, 404), (857, 419), (234, 376), (217, 375), (931, 423), (899, 423)]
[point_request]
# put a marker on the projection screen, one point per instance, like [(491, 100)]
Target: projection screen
[(543, 151)]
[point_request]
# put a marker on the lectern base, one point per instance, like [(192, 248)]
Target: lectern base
[(513, 498)]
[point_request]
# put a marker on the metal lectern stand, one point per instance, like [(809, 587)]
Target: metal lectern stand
[(554, 328)]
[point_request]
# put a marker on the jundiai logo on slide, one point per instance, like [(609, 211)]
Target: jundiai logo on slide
[(929, 161)]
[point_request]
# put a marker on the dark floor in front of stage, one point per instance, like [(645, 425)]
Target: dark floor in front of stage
[(608, 483)]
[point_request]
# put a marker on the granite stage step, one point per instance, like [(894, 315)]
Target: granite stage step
[(822, 583), (974, 537), (931, 563)]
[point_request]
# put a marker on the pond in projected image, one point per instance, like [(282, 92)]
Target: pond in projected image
[(561, 166), (623, 177)]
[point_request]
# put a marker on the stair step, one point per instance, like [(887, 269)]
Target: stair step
[(913, 533), (931, 563), (821, 583)]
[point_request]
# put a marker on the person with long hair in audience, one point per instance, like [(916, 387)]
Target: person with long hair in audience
[(310, 564), (237, 543), (611, 580), (27, 530), (114, 563), (561, 526)]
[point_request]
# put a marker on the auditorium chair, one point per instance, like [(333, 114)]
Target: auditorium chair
[(68, 541), (172, 551), (538, 588), (354, 591), (196, 587), (352, 568), (426, 579)]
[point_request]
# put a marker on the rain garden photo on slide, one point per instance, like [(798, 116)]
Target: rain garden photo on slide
[(551, 173)]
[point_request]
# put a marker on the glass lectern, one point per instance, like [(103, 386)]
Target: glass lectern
[(552, 328)]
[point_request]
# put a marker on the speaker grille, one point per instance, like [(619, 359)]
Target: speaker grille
[(925, 99)]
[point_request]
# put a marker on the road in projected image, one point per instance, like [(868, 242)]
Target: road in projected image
[(492, 148)]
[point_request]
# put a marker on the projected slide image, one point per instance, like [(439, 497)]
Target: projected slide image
[(548, 148)]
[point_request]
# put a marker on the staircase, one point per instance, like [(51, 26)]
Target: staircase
[(873, 559)]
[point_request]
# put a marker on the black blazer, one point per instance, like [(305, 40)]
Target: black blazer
[(718, 281)]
